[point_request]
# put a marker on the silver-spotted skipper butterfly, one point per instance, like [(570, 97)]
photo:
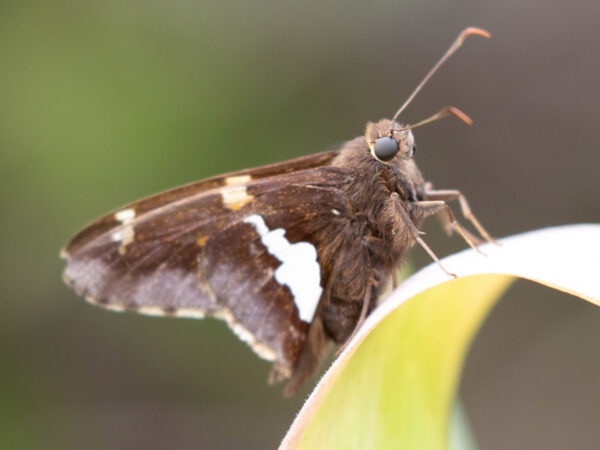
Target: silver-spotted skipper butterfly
[(292, 255)]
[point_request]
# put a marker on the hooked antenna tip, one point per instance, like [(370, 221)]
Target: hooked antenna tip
[(459, 114), (474, 30), (455, 45)]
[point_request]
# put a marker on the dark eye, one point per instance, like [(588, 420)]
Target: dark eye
[(414, 149), (385, 148)]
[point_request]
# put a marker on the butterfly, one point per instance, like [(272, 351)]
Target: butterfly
[(292, 255)]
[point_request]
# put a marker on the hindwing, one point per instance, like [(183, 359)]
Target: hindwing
[(242, 247)]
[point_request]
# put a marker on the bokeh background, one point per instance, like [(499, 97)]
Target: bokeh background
[(105, 102)]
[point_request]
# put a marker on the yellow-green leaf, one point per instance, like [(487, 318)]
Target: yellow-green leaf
[(395, 383)]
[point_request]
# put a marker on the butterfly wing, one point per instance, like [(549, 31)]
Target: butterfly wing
[(153, 202), (245, 252)]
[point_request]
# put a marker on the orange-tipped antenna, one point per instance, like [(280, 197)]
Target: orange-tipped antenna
[(450, 111), (455, 46)]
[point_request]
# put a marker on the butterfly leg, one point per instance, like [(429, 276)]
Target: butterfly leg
[(454, 194), (415, 233), (449, 229), (429, 207), (446, 224)]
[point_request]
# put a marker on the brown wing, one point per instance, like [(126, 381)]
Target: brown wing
[(109, 221), (203, 254)]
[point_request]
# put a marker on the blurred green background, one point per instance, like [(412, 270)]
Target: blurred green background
[(105, 102)]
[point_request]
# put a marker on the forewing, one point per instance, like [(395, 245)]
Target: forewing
[(208, 254), (154, 202)]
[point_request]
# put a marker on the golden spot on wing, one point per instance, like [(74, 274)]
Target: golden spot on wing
[(237, 180), (235, 197), (238, 205), (201, 241)]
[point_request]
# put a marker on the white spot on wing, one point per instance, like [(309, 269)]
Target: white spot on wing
[(188, 313), (236, 180), (191, 313), (151, 310), (299, 270), (126, 234), (234, 194), (125, 215)]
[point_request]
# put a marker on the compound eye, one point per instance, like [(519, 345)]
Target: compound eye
[(385, 148), (414, 149)]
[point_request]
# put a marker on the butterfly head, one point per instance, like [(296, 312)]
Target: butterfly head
[(388, 140)]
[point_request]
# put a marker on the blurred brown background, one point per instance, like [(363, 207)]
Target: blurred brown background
[(105, 102)]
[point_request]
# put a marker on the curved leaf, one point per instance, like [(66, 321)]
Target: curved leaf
[(394, 384)]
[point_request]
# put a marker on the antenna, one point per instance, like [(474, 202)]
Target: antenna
[(455, 46), (451, 110)]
